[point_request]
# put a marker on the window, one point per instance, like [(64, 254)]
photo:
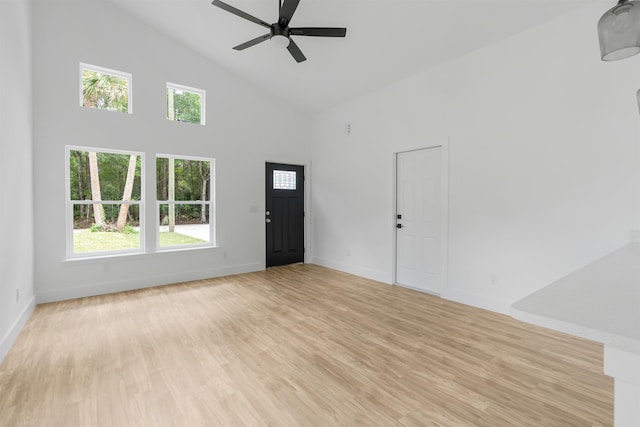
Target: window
[(105, 201), (185, 201), (105, 89), (284, 180), (185, 104)]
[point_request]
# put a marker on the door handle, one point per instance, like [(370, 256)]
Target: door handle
[(268, 220), (398, 225)]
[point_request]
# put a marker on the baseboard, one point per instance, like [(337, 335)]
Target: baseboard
[(110, 287), (479, 301), (457, 295), (378, 276), (8, 340)]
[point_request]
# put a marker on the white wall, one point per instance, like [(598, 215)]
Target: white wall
[(243, 131), (543, 164), (16, 208)]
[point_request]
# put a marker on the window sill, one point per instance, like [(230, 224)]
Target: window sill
[(136, 256)]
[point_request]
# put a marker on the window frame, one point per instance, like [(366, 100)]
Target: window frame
[(203, 101), (70, 203), (116, 73), (211, 202)]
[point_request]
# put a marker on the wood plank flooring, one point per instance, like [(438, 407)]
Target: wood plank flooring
[(299, 345)]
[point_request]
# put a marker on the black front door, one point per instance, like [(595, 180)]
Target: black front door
[(284, 216)]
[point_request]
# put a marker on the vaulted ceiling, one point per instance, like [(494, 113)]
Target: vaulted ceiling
[(386, 40)]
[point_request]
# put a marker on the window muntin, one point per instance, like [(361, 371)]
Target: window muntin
[(105, 89), (105, 207), (185, 201), (284, 180), (185, 104)]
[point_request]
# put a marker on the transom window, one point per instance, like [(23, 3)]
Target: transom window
[(185, 104), (105, 89), (185, 208), (105, 195)]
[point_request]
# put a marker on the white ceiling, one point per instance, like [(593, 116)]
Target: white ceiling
[(386, 40)]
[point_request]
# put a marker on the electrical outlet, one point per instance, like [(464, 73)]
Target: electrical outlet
[(494, 279)]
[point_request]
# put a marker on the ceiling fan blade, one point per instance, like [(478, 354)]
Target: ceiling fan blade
[(286, 11), (253, 42), (295, 51), (318, 32), (239, 13)]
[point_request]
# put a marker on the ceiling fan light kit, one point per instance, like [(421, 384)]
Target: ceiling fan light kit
[(279, 32), (619, 31), (279, 41)]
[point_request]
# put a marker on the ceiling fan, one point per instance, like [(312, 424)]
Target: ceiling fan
[(279, 32)]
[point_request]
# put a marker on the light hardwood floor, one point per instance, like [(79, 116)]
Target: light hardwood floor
[(295, 346)]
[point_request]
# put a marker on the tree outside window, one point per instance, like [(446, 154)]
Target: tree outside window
[(185, 202), (105, 201), (185, 104), (105, 89)]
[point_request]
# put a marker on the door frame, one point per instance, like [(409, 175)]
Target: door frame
[(443, 143), (307, 210)]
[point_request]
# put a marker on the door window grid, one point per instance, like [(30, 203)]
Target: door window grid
[(284, 180)]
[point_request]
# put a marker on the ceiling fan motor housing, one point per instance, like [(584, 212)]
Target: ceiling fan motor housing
[(279, 30), (280, 36)]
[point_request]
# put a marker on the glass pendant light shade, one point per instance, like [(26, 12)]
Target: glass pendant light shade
[(619, 31)]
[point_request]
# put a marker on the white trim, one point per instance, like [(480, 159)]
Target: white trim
[(444, 217), (10, 337), (478, 301), (378, 276), (181, 157), (135, 283), (70, 203), (624, 367), (444, 210), (135, 257), (203, 99), (103, 70), (308, 237), (106, 202), (183, 202)]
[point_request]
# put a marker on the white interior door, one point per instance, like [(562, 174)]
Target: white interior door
[(418, 209)]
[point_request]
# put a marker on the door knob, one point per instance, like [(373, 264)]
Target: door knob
[(398, 225), (268, 220)]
